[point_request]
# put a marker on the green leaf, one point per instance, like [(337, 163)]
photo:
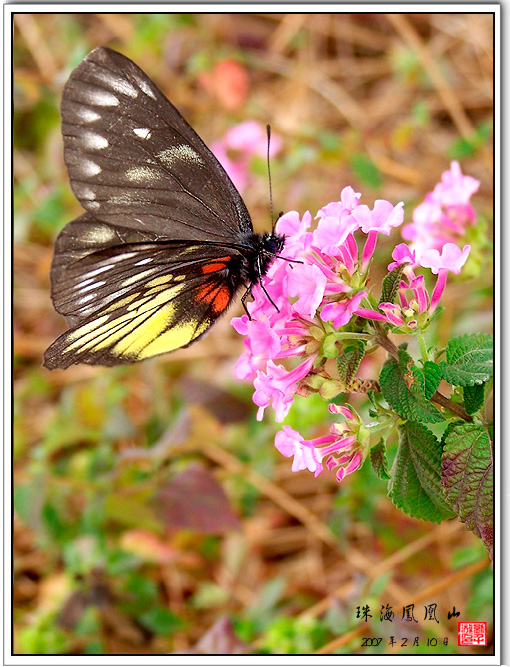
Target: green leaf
[(379, 460), (329, 348), (363, 167), (474, 398), (415, 485), (403, 390), (390, 284), (349, 361), (467, 478), (161, 621), (469, 360), (467, 146), (432, 378)]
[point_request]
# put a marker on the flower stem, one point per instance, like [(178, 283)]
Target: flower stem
[(346, 335), (451, 406), (390, 347), (383, 340), (423, 346)]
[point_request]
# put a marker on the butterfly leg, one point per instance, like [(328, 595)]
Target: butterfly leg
[(243, 300), (262, 286)]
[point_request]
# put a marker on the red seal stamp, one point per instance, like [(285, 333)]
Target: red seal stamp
[(472, 634)]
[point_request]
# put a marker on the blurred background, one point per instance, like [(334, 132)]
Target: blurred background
[(152, 511)]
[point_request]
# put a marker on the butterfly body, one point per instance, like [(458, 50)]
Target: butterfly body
[(166, 241)]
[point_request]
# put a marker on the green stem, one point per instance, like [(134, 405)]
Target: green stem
[(346, 335), (423, 346)]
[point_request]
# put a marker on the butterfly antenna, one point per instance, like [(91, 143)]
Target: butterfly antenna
[(273, 222)]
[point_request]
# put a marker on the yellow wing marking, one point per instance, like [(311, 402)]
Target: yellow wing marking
[(136, 277), (177, 336), (122, 331), (160, 281)]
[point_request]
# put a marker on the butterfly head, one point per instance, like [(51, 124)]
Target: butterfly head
[(272, 244)]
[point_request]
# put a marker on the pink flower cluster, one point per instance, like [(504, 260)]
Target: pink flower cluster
[(345, 447), (318, 293), (416, 306), (237, 147), (318, 285), (444, 215)]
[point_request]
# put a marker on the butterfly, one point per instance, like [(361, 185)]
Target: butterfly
[(166, 241)]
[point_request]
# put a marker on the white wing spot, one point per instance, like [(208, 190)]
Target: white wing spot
[(85, 298), (88, 115), (140, 174), (145, 88), (93, 205), (89, 168), (86, 193), (143, 261), (95, 272), (117, 84), (103, 98), (94, 141), (182, 152), (125, 255), (94, 285), (142, 132), (84, 282)]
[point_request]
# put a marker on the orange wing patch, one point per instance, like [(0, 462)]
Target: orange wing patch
[(216, 265), (218, 297)]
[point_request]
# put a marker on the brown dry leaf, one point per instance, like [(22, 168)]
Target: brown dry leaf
[(194, 500)]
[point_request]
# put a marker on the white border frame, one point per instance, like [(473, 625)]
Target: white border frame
[(5, 337)]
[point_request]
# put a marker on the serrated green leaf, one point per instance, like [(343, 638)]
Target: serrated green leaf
[(379, 460), (468, 480), (432, 378), (403, 390), (390, 284), (348, 362), (469, 360), (474, 398), (415, 485)]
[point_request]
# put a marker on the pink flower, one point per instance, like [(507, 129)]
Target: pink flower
[(250, 137), (455, 188), (237, 147), (306, 457), (402, 254), (340, 312), (381, 219), (344, 447), (444, 214), (452, 258), (261, 341), (412, 311), (307, 282), (278, 386), (333, 229), (289, 224), (336, 223)]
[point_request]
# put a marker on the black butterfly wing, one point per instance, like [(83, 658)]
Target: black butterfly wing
[(134, 161), (136, 300), (74, 295)]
